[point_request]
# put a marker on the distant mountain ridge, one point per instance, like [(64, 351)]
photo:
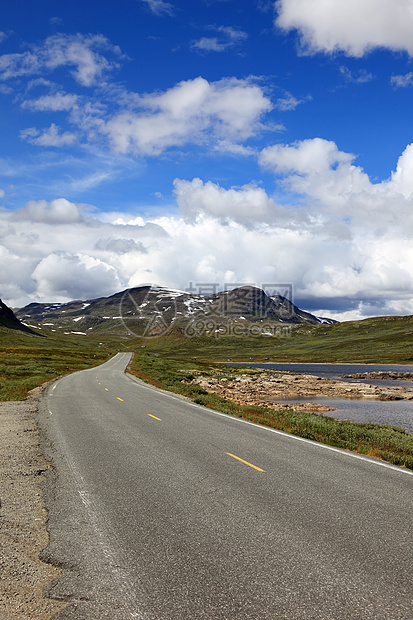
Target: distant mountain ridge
[(153, 310)]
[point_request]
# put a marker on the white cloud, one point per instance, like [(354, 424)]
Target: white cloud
[(248, 205), (56, 21), (194, 111), (344, 242), (401, 81), (68, 237), (59, 211), (55, 103), (191, 111), (16, 65), (304, 158), (89, 181), (120, 246), (75, 276), (360, 77), (80, 52), (5, 90), (226, 146), (159, 7), (354, 27), (227, 37), (322, 173), (49, 137), (16, 283), (402, 178), (289, 102)]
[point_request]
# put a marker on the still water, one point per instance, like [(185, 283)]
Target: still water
[(397, 413)]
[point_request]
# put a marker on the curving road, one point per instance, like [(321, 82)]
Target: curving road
[(160, 508)]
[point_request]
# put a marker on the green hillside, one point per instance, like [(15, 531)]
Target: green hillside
[(382, 340)]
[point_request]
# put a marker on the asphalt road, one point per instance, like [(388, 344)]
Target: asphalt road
[(160, 508)]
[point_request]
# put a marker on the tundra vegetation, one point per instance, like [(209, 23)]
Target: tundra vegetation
[(171, 362)]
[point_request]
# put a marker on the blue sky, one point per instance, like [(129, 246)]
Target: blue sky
[(218, 141)]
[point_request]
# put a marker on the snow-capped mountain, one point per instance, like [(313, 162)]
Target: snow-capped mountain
[(153, 310)]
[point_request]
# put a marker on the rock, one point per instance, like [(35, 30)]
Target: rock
[(264, 389)]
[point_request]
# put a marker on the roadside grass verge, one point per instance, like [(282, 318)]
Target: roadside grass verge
[(28, 361), (389, 443)]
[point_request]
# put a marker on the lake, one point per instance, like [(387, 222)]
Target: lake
[(397, 413)]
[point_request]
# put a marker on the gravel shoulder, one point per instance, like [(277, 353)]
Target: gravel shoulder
[(23, 516)]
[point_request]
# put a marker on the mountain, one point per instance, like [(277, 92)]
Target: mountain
[(152, 310), (9, 320)]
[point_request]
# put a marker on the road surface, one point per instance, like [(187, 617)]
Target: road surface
[(163, 509)]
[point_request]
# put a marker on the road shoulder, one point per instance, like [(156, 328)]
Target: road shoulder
[(23, 515)]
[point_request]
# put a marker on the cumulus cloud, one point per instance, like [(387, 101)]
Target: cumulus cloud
[(16, 267), (226, 37), (120, 246), (373, 255), (229, 108), (304, 157), (194, 111), (74, 275), (318, 170), (59, 211), (82, 53), (248, 205), (352, 27), (341, 199), (344, 245), (402, 179), (65, 236), (48, 137)]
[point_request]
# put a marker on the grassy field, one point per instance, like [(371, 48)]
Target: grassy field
[(384, 340), (169, 362), (28, 361)]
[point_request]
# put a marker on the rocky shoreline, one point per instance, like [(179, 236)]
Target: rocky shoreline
[(382, 374), (266, 387)]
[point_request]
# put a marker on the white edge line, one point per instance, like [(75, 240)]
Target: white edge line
[(342, 451)]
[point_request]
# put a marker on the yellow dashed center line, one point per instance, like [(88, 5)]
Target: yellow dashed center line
[(154, 416), (107, 389), (121, 399), (245, 462), (119, 360)]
